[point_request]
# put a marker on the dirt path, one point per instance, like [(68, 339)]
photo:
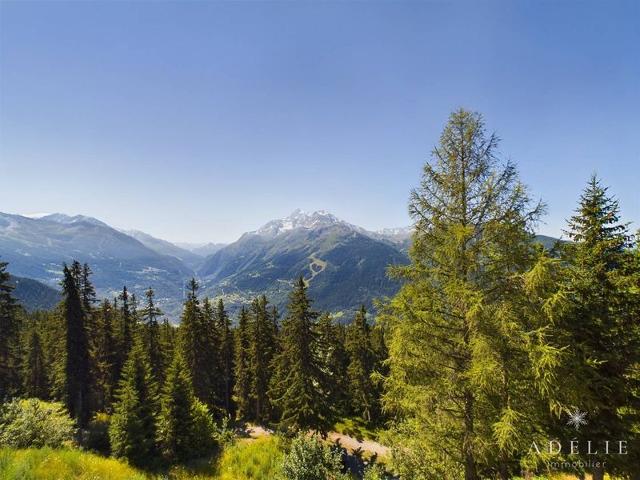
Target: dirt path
[(349, 443), (352, 444)]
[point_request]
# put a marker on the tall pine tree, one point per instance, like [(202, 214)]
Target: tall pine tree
[(76, 369), (299, 387), (601, 325), (132, 429), (242, 369), (151, 336), (362, 391), (9, 335)]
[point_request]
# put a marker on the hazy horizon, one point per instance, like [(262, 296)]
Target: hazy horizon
[(196, 122)]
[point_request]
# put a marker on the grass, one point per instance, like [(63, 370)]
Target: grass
[(50, 464), (251, 460)]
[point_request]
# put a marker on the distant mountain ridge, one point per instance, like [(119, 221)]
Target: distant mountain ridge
[(344, 264), (34, 295)]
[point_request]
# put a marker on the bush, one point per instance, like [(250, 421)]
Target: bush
[(204, 429), (310, 459), (225, 433), (33, 423), (97, 438), (374, 472)]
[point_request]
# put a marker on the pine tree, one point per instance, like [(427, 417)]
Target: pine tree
[(151, 336), (34, 368), (209, 361), (167, 341), (77, 346), (263, 342), (362, 391), (126, 328), (335, 361), (193, 342), (104, 357), (225, 360), (457, 341), (176, 426), (299, 387), (601, 327), (9, 335), (242, 386), (132, 430)]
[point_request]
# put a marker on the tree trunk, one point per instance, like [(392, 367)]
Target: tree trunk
[(598, 472)]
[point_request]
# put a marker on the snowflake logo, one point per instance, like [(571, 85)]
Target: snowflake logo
[(577, 419)]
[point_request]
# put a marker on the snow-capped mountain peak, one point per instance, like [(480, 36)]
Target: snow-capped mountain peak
[(299, 219)]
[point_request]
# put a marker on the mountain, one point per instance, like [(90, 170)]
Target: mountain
[(343, 264), (34, 295), (201, 249), (163, 247), (37, 247)]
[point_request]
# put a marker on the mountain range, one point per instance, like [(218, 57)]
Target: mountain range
[(343, 264)]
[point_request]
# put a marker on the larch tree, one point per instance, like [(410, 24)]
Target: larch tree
[(453, 327)]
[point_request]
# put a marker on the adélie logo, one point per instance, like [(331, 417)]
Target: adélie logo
[(578, 419)]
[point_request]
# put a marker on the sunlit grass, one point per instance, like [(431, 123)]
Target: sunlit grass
[(251, 460), (50, 464)]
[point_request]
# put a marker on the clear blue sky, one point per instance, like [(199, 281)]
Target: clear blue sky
[(197, 121)]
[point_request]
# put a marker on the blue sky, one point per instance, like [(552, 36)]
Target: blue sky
[(197, 121)]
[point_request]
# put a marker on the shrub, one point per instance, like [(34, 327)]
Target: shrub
[(204, 429), (310, 459), (97, 438), (35, 423), (374, 472), (225, 433)]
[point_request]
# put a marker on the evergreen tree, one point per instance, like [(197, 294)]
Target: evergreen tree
[(9, 335), (132, 430), (34, 368), (126, 328), (242, 386), (151, 336), (457, 340), (299, 387), (176, 426), (263, 340), (209, 361), (362, 391), (335, 360), (193, 344), (77, 378), (87, 290), (104, 357), (167, 341), (601, 325), (225, 360)]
